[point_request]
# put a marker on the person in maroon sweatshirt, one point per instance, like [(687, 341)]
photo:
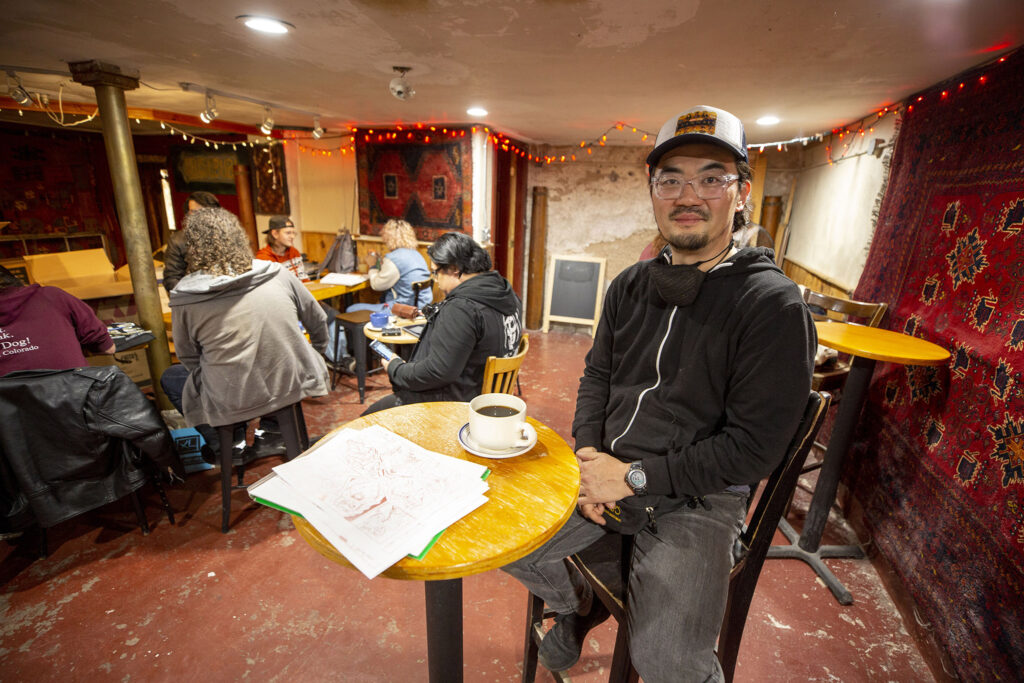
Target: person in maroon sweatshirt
[(45, 328)]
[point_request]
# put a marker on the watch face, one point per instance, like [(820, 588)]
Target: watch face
[(636, 478)]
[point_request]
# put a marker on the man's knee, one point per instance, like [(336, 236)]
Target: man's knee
[(674, 663)]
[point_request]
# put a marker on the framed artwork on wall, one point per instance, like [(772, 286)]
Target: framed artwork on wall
[(199, 168)]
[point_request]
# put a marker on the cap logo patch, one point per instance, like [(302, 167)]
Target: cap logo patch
[(697, 122)]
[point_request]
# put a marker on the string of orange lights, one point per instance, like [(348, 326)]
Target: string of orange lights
[(425, 133)]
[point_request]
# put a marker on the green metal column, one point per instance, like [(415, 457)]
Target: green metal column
[(110, 84)]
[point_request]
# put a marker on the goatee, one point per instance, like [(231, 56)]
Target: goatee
[(688, 242)]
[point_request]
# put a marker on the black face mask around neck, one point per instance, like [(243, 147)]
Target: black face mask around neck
[(680, 285)]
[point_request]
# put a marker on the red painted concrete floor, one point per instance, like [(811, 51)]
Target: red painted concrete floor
[(259, 604)]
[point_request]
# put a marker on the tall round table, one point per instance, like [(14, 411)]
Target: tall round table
[(866, 345), (530, 497)]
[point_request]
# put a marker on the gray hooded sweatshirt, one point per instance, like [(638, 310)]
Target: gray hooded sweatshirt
[(239, 337)]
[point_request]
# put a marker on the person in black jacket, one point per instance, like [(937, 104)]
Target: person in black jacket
[(480, 316), (176, 252), (698, 375)]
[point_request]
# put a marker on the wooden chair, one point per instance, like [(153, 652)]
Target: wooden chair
[(605, 565), (293, 430), (826, 307), (419, 286), (500, 374)]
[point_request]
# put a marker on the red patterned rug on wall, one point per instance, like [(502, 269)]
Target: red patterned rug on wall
[(421, 176), (938, 462)]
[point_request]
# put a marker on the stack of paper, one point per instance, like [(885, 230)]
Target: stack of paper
[(374, 495), (347, 279)]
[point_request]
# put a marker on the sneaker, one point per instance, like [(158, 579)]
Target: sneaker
[(208, 455), (349, 363), (562, 645), (267, 444)]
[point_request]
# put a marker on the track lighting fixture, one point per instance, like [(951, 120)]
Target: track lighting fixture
[(17, 92), (268, 121), (210, 112)]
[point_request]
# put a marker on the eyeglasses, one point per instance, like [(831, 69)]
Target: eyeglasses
[(710, 186)]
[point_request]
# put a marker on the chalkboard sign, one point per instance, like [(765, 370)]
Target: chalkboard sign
[(574, 291)]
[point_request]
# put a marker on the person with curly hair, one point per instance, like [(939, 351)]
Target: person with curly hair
[(237, 326), (394, 273), (174, 255)]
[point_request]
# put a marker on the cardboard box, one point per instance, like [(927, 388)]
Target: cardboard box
[(86, 273), (134, 364)]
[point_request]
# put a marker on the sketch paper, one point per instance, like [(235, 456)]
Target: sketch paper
[(377, 496), (347, 279)]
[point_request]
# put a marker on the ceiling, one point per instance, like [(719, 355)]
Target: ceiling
[(548, 71)]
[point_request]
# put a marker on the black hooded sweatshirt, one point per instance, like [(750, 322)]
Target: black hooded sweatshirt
[(480, 317), (707, 395)]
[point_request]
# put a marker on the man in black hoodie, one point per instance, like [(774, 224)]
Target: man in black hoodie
[(699, 372), (480, 316)]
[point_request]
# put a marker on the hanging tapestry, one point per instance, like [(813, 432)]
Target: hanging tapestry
[(422, 177), (269, 184), (938, 461)]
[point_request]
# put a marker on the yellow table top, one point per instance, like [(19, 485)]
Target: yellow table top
[(879, 344), (321, 291), (530, 496)]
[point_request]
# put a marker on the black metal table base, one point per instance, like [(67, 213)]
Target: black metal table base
[(444, 630), (816, 559)]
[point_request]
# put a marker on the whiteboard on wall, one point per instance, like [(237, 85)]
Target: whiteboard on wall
[(831, 222), (574, 290)]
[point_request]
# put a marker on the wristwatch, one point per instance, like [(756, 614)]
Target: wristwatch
[(636, 478)]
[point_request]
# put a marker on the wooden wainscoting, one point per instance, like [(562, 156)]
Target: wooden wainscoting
[(808, 278)]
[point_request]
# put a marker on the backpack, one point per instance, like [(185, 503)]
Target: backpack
[(341, 255)]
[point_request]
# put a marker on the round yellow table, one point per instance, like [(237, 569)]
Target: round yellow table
[(403, 338), (530, 497), (867, 345)]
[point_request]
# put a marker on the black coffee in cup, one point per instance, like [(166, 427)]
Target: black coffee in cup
[(497, 411)]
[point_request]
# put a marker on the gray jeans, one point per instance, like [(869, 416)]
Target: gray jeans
[(678, 585)]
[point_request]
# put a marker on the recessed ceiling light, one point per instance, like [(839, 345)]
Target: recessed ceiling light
[(265, 24), (476, 111), (768, 120)]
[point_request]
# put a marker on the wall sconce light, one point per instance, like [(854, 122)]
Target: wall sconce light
[(210, 112), (318, 131), (268, 121)]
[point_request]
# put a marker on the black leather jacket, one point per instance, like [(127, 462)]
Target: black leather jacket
[(73, 440)]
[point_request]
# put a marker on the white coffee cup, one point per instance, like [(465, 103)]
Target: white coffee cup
[(502, 425)]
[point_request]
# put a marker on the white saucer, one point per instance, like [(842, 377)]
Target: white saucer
[(467, 442)]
